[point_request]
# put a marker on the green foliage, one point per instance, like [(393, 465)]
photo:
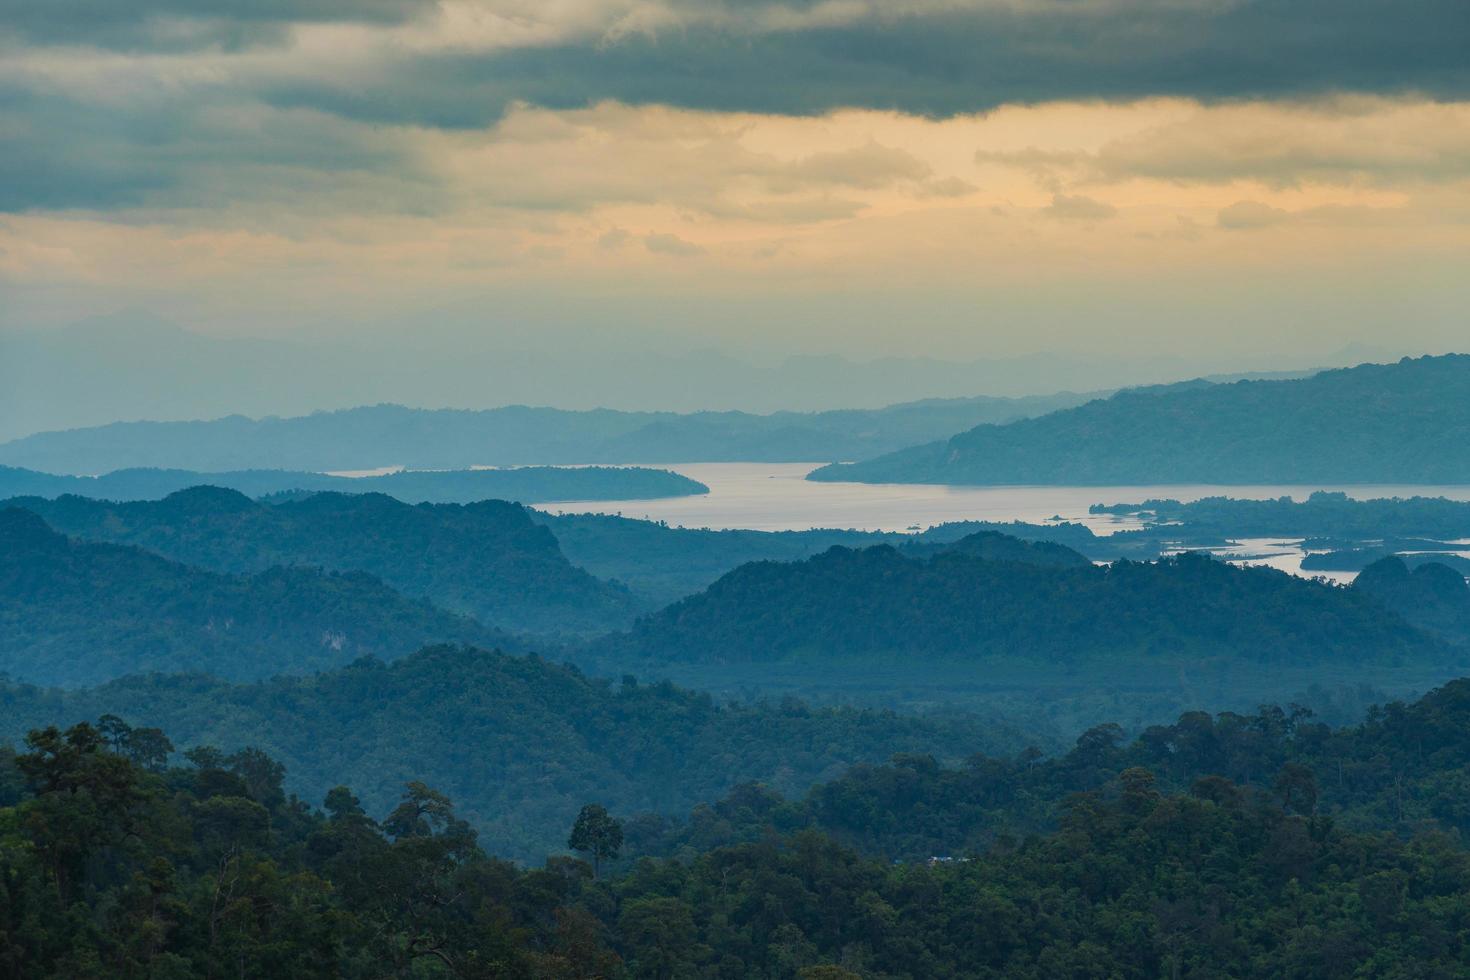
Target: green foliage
[(109, 870), (485, 559), (1375, 423), (1401, 768), (76, 613), (596, 833)]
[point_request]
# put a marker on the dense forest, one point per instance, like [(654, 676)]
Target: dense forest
[(878, 604), (486, 559), (75, 612), (519, 742), (1375, 423), (664, 563), (1216, 847), (380, 435), (1399, 768), (532, 484)]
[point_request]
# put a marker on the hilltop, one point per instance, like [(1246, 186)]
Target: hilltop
[(877, 605), (486, 559), (77, 613)]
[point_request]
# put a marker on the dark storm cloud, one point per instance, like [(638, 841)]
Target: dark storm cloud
[(174, 25), (954, 62), (64, 155), (71, 145)]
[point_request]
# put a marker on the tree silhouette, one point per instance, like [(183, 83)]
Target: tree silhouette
[(596, 833)]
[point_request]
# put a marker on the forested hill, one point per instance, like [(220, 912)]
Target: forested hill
[(995, 546), (530, 484), (486, 559), (1432, 596), (665, 563), (519, 743), (878, 604), (77, 613), (383, 435), (1407, 422)]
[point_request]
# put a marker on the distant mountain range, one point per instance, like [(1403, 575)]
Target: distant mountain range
[(136, 365), (486, 559), (531, 484), (1407, 422), (391, 435), (75, 613)]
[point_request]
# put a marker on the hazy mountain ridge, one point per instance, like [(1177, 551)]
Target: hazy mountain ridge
[(392, 435), (1406, 422), (135, 365), (486, 559), (532, 484), (78, 612)]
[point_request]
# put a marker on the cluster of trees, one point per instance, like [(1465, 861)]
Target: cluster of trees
[(1374, 423), (878, 603), (77, 613), (487, 559), (1403, 767), (115, 864)]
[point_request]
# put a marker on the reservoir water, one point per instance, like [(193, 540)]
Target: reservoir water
[(777, 497)]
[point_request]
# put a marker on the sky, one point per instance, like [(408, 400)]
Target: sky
[(1241, 182)]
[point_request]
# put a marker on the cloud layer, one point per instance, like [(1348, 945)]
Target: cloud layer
[(110, 102), (290, 159)]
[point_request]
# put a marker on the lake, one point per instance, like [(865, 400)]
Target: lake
[(776, 497)]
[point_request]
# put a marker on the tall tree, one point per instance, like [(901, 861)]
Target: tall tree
[(596, 833)]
